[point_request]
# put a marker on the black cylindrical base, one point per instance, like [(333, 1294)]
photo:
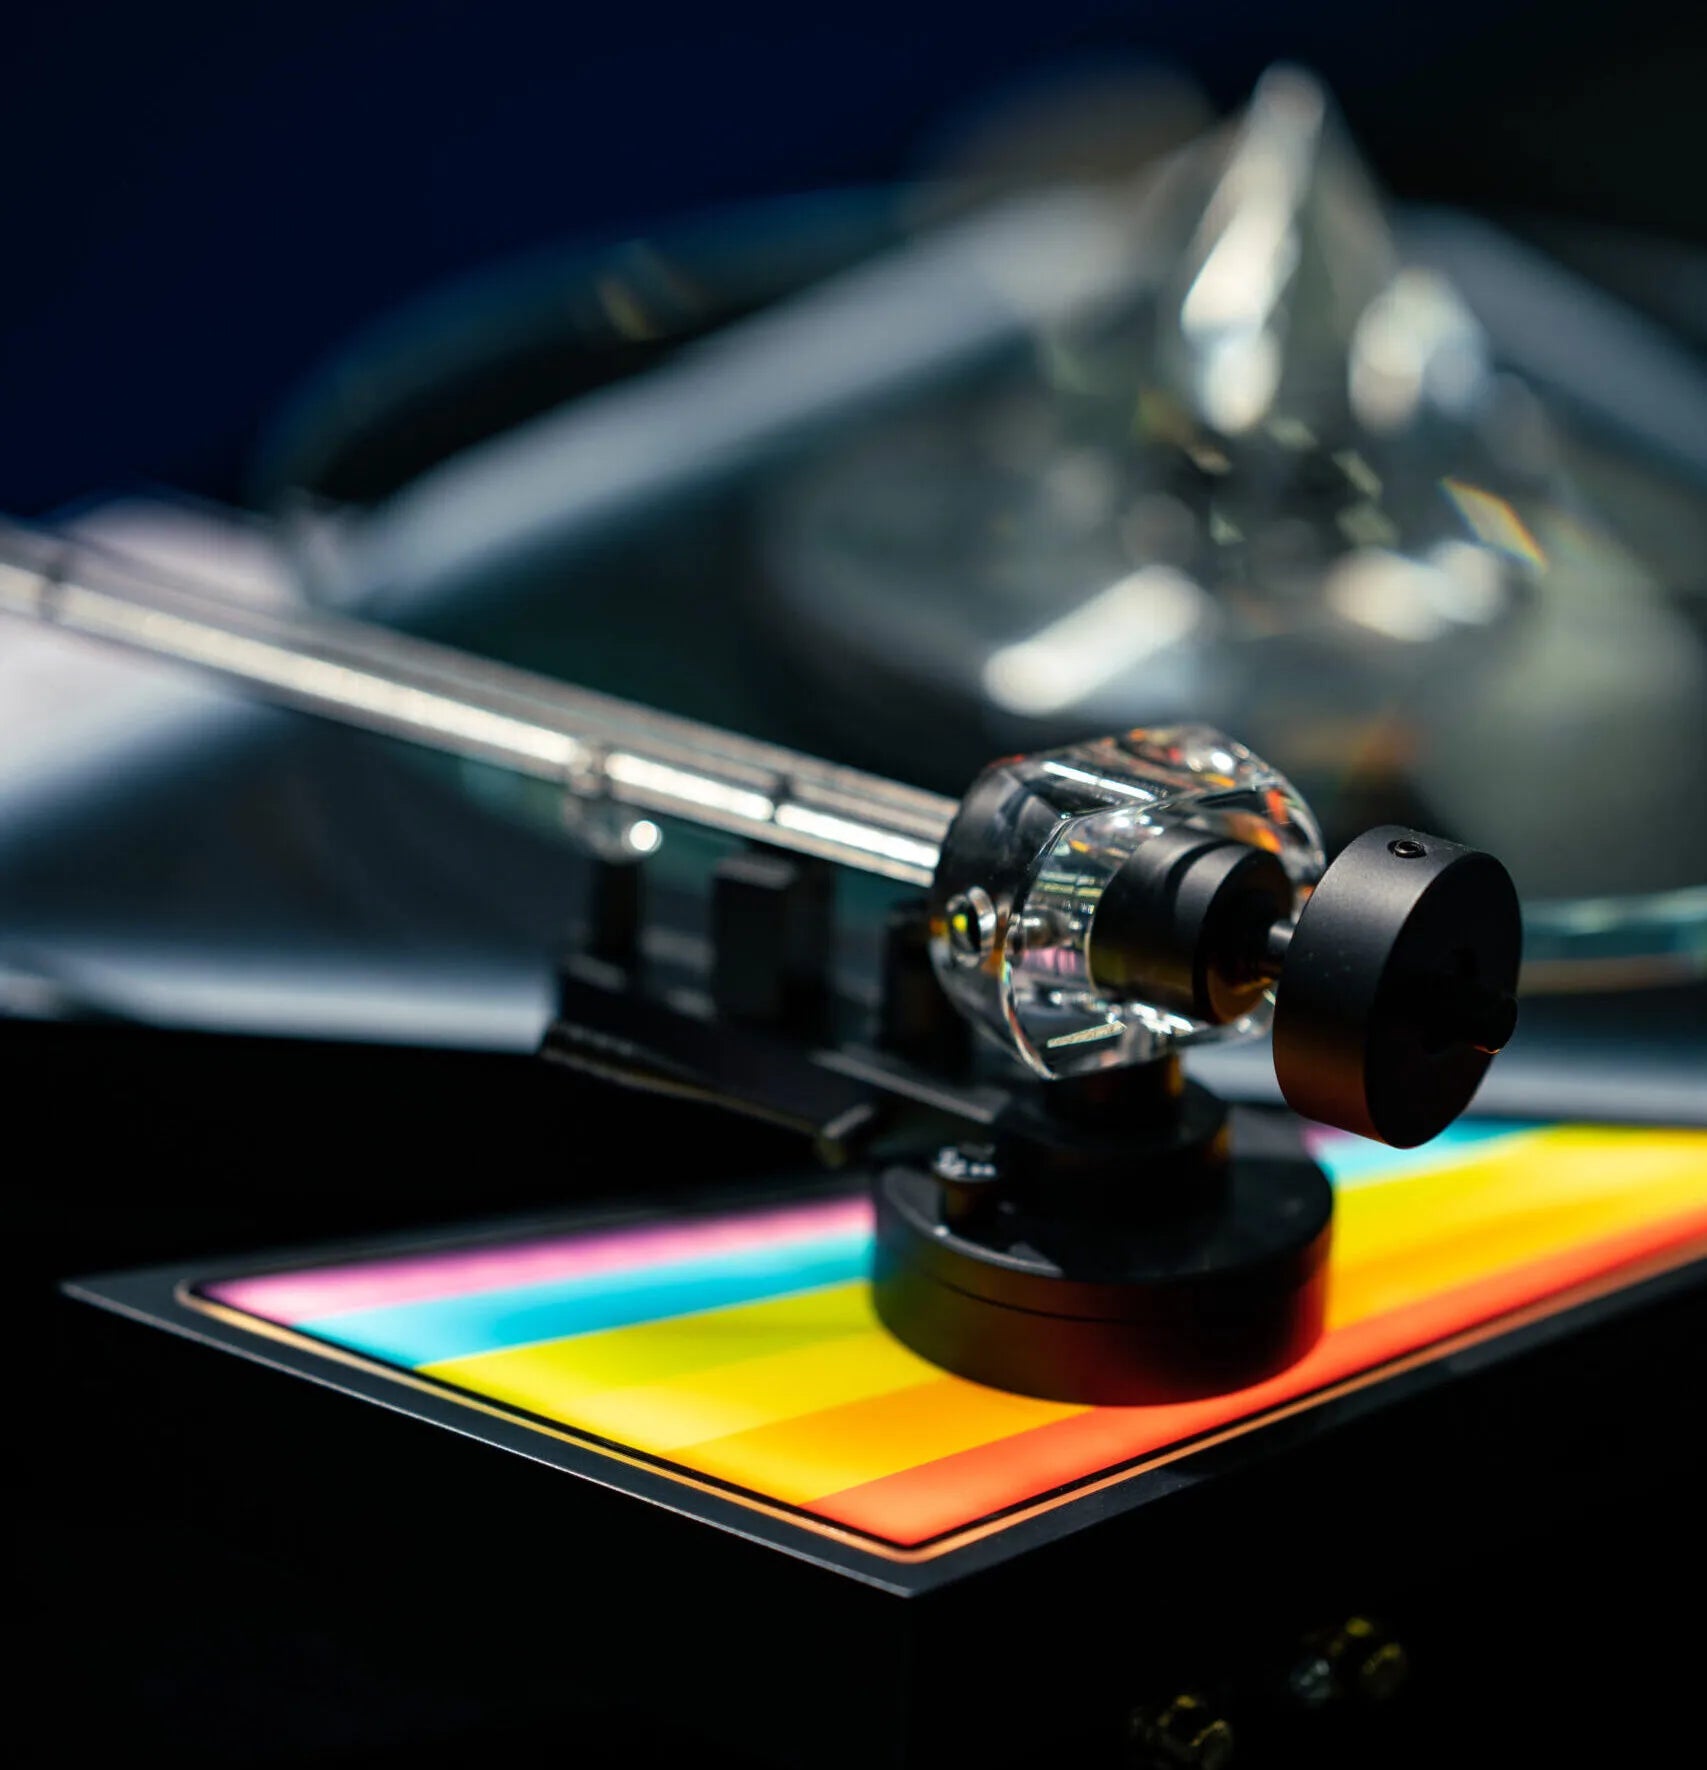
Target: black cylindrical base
[(1112, 1312)]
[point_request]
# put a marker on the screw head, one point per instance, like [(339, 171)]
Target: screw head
[(971, 919), (1311, 1682), (1407, 848)]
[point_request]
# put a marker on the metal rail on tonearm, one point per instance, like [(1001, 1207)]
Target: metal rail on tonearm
[(1059, 1211)]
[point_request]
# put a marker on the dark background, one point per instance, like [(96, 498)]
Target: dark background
[(200, 199)]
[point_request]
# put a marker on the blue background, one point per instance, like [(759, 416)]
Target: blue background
[(197, 201)]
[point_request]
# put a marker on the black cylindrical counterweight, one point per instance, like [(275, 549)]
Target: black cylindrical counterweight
[(1183, 925), (1399, 986)]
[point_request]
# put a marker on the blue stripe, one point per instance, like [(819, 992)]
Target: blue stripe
[(488, 1321)]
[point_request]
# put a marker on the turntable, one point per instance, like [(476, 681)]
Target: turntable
[(1057, 1306), (1019, 1390)]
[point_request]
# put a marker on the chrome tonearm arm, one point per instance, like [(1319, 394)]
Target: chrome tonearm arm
[(595, 746), (1090, 907)]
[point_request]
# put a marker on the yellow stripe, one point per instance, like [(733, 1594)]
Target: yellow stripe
[(805, 1395), (1405, 1240), (559, 1371), (726, 1371), (755, 1394), (818, 1453), (1375, 1287), (1553, 1170)]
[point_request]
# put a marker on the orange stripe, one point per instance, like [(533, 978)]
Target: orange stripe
[(862, 1442), (916, 1504), (1455, 1255)]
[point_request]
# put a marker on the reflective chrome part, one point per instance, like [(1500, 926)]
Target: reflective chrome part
[(597, 747)]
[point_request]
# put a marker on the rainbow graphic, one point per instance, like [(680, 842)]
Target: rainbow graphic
[(741, 1349)]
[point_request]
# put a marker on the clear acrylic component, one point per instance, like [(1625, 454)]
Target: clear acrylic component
[(1034, 847)]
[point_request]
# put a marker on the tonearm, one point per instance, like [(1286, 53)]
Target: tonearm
[(1059, 1210)]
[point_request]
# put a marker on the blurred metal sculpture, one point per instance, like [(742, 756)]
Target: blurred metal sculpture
[(1285, 483), (1215, 436)]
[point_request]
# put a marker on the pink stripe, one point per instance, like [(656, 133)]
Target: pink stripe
[(371, 1284)]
